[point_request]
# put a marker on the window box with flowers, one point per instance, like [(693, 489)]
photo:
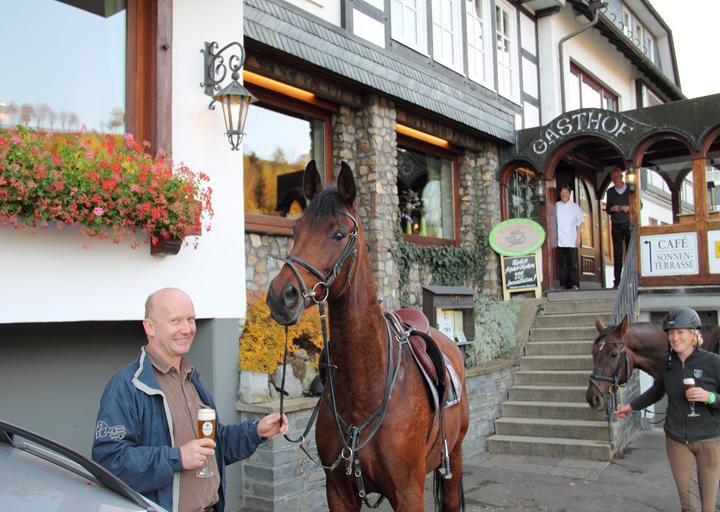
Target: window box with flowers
[(106, 184)]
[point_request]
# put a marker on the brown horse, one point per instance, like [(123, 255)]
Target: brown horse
[(619, 349), (376, 429)]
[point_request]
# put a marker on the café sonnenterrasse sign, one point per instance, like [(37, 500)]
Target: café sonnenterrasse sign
[(670, 254)]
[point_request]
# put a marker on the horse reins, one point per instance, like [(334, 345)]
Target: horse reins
[(349, 435)]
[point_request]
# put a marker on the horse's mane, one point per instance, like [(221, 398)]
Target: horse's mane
[(328, 203), (636, 325)]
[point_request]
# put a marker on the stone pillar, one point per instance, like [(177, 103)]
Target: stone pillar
[(481, 175), (365, 138)]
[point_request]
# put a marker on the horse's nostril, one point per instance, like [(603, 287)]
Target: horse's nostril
[(290, 296)]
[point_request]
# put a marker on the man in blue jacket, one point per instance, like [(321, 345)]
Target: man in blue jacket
[(145, 432)]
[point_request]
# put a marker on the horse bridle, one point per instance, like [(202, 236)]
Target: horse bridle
[(614, 379), (325, 280)]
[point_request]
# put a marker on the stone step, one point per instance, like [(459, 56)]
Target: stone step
[(563, 333), (590, 430), (549, 348), (552, 378), (550, 410), (549, 447), (572, 362), (544, 393), (578, 306), (581, 295), (570, 320)]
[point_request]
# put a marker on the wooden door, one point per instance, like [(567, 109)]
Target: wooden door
[(590, 264)]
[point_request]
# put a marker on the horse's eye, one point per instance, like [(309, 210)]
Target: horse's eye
[(338, 235), (613, 354)]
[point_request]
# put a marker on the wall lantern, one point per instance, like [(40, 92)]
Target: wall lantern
[(630, 177), (540, 190), (234, 98)]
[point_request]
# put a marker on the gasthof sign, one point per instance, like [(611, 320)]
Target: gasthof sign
[(670, 254)]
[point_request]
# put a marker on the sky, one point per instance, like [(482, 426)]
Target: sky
[(694, 25)]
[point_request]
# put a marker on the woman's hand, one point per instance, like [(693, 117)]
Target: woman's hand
[(697, 395), (623, 410)]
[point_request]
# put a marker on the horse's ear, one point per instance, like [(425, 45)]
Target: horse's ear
[(312, 183), (346, 184), (599, 324), (624, 325)]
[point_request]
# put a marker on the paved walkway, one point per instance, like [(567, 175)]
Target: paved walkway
[(639, 482)]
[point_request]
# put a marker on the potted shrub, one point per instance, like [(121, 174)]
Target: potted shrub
[(262, 345)]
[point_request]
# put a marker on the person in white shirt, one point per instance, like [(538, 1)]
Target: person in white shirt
[(569, 224)]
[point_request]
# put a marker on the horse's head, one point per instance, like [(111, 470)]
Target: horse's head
[(324, 254), (611, 363)]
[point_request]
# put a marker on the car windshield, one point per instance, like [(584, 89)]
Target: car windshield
[(40, 474)]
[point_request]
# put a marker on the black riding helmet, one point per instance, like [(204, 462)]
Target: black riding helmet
[(681, 318)]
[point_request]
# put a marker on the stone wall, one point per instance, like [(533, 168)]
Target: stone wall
[(280, 477)]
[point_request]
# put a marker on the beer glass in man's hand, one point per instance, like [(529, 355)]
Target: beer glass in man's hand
[(689, 383), (206, 430)]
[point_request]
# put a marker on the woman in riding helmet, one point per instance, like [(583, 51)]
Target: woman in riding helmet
[(691, 441)]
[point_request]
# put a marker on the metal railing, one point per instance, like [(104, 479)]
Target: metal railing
[(627, 293)]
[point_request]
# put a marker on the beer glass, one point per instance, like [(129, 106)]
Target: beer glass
[(206, 430), (688, 383)]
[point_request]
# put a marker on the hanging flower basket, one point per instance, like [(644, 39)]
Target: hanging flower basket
[(107, 184)]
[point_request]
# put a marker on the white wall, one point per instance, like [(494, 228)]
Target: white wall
[(48, 276), (590, 50), (328, 10)]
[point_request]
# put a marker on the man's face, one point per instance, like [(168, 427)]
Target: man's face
[(171, 326), (617, 177), (564, 195)]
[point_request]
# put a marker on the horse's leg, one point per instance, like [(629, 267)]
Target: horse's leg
[(341, 495), (408, 496), (451, 489)]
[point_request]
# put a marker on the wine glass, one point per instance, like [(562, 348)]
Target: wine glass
[(206, 430), (689, 383)]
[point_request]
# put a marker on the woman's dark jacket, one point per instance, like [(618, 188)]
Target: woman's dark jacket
[(704, 367)]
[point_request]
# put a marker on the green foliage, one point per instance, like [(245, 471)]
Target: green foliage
[(495, 330), (449, 266)]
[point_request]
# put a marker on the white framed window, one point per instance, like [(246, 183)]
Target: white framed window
[(408, 23), (638, 33), (447, 33), (506, 45), (479, 42)]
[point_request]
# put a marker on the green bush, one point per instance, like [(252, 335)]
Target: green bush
[(495, 330)]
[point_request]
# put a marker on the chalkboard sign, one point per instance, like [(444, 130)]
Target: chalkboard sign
[(520, 272)]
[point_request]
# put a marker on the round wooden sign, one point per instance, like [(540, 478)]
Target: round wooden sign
[(517, 237)]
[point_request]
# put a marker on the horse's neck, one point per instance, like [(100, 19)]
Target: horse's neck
[(358, 344), (646, 353)]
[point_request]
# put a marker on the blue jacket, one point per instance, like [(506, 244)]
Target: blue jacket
[(134, 440)]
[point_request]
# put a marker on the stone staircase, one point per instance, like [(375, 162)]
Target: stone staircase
[(546, 413)]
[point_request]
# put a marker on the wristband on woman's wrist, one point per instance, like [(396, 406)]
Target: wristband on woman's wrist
[(712, 398)]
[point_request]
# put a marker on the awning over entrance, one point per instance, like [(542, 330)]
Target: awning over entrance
[(691, 120)]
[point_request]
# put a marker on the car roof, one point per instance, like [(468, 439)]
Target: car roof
[(38, 478)]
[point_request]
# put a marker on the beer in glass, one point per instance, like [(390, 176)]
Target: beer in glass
[(689, 383), (206, 430)]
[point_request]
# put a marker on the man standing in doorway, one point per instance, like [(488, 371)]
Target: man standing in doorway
[(618, 206), (569, 224)]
